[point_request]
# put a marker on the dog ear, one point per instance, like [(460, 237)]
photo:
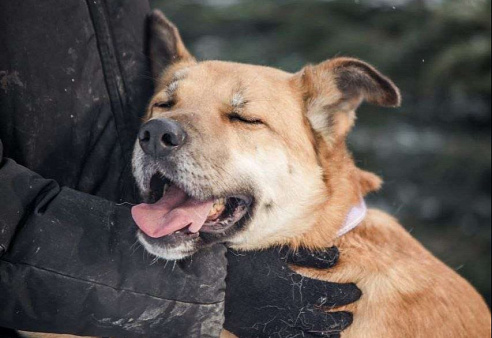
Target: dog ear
[(165, 46), (333, 90)]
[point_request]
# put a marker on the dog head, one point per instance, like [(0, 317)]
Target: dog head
[(247, 155)]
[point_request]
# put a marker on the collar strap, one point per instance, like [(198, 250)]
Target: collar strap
[(354, 218)]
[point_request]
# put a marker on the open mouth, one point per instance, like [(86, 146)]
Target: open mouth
[(171, 211)]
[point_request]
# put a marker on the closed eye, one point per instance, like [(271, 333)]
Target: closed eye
[(165, 104), (235, 117)]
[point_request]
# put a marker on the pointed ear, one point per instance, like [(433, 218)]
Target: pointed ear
[(333, 90), (165, 46)]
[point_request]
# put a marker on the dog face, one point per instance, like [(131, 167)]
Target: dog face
[(231, 153)]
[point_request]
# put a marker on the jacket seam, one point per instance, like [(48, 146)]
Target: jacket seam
[(113, 76), (107, 286)]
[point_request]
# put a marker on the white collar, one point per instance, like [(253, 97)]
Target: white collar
[(354, 218)]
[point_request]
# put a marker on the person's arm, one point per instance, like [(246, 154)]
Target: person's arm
[(71, 264)]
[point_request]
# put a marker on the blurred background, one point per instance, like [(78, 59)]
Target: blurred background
[(435, 152)]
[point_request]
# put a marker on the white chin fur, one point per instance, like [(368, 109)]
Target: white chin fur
[(138, 171), (173, 254)]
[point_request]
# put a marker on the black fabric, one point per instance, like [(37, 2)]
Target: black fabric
[(75, 267), (71, 95), (74, 82), (266, 299), (311, 259), (8, 333)]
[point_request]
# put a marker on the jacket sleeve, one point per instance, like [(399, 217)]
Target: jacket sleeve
[(71, 264)]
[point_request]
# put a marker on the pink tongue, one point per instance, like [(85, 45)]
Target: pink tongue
[(175, 211)]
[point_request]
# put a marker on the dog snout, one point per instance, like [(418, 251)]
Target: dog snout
[(160, 137)]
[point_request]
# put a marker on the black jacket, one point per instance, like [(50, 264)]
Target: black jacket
[(73, 85)]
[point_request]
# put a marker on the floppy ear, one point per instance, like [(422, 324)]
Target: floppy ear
[(333, 90), (165, 44)]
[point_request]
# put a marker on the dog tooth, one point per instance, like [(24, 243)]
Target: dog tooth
[(217, 209), (219, 202)]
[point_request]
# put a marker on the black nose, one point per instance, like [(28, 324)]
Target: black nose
[(160, 137)]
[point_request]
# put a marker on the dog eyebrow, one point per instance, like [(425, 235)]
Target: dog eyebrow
[(238, 101), (172, 88), (180, 74), (173, 85)]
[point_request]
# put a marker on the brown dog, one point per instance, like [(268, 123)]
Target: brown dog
[(256, 157)]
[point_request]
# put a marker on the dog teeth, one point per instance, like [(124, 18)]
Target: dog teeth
[(217, 209), (220, 201)]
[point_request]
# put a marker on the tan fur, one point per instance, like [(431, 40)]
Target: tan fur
[(24, 334), (308, 115), (407, 291), (227, 334)]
